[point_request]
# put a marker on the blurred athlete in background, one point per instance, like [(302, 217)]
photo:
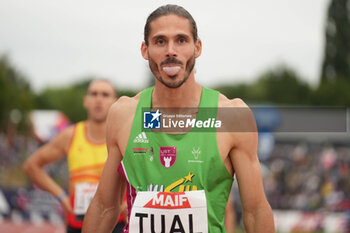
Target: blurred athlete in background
[(84, 145)]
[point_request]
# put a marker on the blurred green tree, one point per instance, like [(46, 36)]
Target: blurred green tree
[(280, 85), (336, 62), (332, 93), (240, 90), (67, 99), (125, 92), (15, 94)]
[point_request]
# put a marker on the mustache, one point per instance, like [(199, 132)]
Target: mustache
[(171, 60)]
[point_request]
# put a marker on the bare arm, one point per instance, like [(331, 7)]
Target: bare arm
[(230, 216), (49, 153), (257, 213), (104, 210)]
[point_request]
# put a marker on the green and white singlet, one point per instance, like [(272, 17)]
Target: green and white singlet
[(163, 162)]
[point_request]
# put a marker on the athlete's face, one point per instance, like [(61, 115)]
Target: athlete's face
[(171, 51), (99, 98)]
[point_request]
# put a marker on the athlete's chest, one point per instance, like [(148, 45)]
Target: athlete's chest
[(183, 154), (162, 162)]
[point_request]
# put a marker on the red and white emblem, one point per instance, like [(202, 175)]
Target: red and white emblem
[(167, 156)]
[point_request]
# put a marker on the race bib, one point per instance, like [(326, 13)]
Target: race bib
[(163, 212), (84, 192)]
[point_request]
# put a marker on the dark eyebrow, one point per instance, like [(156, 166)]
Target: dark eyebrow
[(156, 37), (183, 35), (91, 91)]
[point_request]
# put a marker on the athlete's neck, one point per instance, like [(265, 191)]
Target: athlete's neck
[(96, 131), (188, 95)]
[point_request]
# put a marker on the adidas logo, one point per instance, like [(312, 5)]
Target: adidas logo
[(141, 138)]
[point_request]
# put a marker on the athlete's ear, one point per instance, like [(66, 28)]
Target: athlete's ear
[(198, 48), (144, 50)]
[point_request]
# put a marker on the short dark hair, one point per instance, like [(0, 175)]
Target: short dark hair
[(167, 10)]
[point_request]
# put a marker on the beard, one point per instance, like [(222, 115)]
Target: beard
[(174, 82)]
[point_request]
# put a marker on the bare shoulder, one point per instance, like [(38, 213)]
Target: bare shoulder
[(236, 102), (237, 110), (67, 132), (65, 135), (124, 106), (240, 123), (63, 139), (119, 120), (238, 120)]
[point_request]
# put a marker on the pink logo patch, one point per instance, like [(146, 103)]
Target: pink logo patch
[(167, 156)]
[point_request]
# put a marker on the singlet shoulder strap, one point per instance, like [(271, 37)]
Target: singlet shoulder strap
[(209, 98), (145, 98), (144, 102)]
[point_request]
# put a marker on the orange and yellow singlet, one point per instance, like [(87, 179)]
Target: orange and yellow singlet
[(85, 163)]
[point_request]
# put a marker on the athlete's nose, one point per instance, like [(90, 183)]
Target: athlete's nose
[(171, 50), (99, 98)]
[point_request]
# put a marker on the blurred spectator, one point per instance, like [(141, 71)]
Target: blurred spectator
[(308, 177)]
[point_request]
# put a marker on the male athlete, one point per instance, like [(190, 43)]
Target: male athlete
[(176, 182), (85, 146)]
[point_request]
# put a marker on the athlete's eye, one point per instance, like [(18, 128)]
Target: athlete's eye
[(160, 42), (182, 40), (105, 94), (93, 93)]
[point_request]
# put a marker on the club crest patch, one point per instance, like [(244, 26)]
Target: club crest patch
[(167, 156)]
